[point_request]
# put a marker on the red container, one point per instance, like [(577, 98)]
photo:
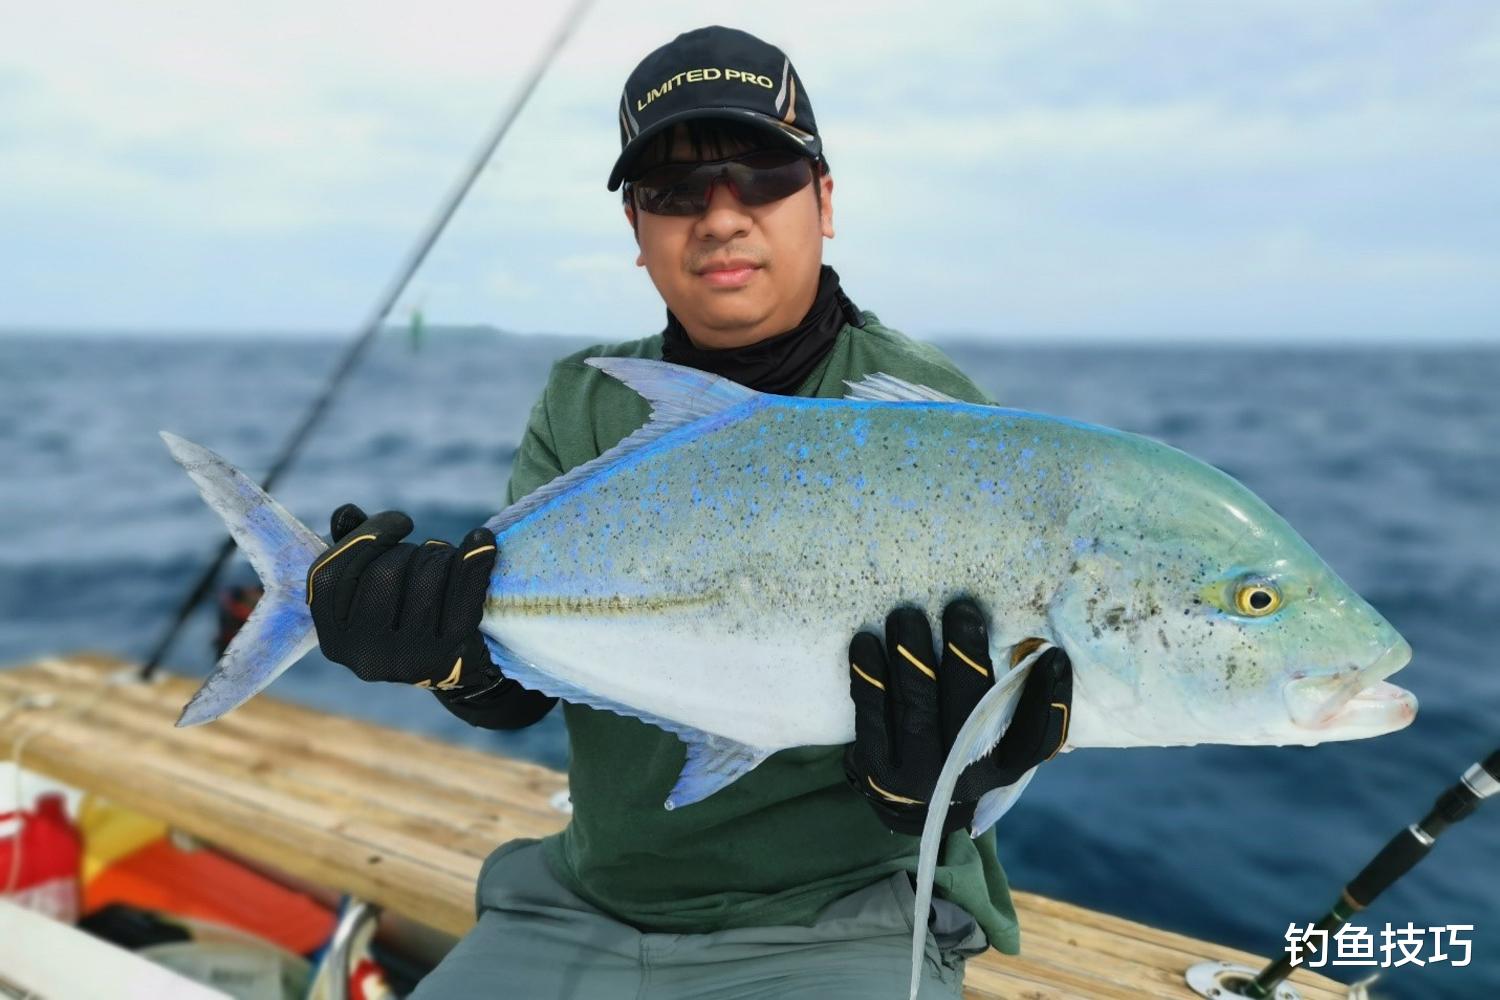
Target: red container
[(40, 852)]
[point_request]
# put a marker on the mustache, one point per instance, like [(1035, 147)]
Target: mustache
[(698, 259)]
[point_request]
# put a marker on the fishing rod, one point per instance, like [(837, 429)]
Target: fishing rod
[(1479, 782), (376, 318)]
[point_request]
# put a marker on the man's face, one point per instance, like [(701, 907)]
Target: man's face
[(736, 274)]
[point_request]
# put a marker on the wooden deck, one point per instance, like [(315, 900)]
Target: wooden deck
[(404, 821)]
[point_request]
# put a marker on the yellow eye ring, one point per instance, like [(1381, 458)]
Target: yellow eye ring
[(1256, 600)]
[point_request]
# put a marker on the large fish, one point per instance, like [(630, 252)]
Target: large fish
[(706, 574)]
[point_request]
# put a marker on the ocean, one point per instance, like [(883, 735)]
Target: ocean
[(1387, 460)]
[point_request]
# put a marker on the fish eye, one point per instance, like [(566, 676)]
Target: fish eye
[(1256, 599)]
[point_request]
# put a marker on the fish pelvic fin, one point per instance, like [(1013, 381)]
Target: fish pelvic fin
[(978, 735), (280, 548), (678, 396)]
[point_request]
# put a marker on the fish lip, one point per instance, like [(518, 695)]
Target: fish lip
[(1358, 701)]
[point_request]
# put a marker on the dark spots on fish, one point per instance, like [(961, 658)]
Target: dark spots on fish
[(1161, 634), (1039, 600), (1114, 616), (1073, 569), (1230, 666)]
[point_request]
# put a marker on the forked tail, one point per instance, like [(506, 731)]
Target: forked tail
[(281, 548)]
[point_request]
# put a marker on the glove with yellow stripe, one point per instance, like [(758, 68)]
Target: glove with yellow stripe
[(394, 611), (391, 610), (909, 704)]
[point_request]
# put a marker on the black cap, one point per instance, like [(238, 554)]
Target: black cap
[(714, 72)]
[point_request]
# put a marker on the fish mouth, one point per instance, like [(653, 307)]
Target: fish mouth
[(1355, 703)]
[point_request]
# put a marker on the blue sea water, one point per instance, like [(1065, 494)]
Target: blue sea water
[(1386, 460)]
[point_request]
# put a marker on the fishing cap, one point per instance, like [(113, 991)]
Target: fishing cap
[(714, 72)]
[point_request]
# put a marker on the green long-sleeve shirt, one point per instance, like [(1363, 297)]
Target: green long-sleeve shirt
[(786, 839)]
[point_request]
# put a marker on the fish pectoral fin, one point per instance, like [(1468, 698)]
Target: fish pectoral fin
[(997, 802), (883, 388), (713, 762), (979, 733)]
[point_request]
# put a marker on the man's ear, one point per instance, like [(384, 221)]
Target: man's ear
[(825, 179)]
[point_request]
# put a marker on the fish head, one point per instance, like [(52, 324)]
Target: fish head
[(1193, 613)]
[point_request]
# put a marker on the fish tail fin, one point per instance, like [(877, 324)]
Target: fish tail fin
[(280, 630), (978, 735)]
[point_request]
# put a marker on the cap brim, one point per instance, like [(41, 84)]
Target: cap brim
[(786, 136)]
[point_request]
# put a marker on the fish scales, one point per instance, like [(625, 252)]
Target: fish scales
[(782, 533)]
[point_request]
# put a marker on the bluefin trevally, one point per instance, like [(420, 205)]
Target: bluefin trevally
[(732, 545)]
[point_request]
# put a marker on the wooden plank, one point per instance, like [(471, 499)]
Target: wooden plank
[(405, 821)]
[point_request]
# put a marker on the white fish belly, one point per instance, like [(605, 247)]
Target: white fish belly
[(770, 690)]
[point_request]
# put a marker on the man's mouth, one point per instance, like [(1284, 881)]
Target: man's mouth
[(1359, 700), (729, 273)]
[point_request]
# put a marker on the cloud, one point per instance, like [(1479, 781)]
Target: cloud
[(1097, 167)]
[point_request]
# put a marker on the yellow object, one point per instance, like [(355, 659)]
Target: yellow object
[(111, 831)]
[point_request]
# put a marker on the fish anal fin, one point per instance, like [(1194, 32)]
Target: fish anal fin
[(713, 762)]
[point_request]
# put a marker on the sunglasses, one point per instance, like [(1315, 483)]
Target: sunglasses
[(756, 178)]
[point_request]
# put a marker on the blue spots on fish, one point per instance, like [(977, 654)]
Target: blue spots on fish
[(859, 430)]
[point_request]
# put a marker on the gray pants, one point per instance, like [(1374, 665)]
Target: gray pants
[(535, 940)]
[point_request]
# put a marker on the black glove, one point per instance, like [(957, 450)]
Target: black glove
[(909, 704), (395, 611)]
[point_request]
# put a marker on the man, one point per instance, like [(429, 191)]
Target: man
[(793, 882)]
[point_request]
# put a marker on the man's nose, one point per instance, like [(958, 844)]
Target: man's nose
[(726, 217)]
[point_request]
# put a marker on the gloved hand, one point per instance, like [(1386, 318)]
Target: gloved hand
[(909, 704), (394, 611)]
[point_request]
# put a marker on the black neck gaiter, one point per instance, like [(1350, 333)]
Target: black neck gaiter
[(778, 364)]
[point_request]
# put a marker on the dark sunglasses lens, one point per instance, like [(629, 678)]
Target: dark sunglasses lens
[(671, 189), (758, 179), (766, 177)]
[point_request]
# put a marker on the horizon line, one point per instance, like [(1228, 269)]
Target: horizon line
[(1261, 340)]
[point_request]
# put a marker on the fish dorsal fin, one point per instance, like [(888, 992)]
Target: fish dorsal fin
[(675, 393), (883, 388), (678, 396)]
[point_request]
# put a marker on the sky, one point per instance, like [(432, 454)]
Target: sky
[(1221, 173)]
